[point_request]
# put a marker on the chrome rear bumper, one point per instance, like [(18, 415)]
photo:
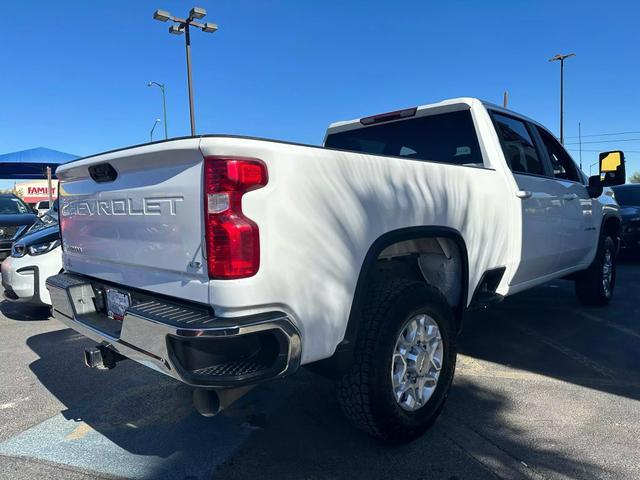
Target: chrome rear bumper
[(184, 341)]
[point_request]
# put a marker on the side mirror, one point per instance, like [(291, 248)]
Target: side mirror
[(594, 189), (612, 169)]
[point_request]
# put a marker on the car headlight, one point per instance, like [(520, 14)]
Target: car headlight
[(40, 248)]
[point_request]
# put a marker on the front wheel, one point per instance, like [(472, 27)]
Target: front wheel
[(404, 361), (594, 286)]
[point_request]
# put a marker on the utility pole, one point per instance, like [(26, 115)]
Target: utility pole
[(561, 58), (49, 187), (505, 99), (580, 142), (182, 26)]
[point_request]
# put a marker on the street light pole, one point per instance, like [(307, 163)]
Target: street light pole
[(561, 58), (153, 128), (187, 43), (182, 26), (164, 105)]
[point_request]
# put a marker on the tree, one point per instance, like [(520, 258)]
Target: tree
[(635, 178)]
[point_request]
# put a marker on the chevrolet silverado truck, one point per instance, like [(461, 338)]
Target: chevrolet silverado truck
[(225, 261)]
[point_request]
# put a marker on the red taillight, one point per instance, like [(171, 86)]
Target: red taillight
[(233, 240)]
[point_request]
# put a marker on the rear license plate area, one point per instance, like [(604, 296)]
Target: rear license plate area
[(117, 303)]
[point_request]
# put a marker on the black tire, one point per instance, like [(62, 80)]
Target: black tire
[(365, 390), (590, 288)]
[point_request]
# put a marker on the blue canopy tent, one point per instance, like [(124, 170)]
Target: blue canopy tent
[(32, 164)]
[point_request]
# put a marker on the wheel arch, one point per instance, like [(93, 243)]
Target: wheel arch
[(612, 226), (341, 359), (391, 238)]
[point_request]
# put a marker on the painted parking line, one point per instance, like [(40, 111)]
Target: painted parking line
[(183, 445), (615, 326), (471, 367), (77, 444), (569, 352)]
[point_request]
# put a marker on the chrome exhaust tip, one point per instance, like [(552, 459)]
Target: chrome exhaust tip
[(210, 403)]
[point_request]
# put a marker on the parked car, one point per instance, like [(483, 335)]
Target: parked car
[(628, 196), (48, 218), (34, 258), (42, 207), (227, 261), (15, 218)]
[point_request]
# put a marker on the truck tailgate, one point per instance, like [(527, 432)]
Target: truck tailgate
[(134, 217)]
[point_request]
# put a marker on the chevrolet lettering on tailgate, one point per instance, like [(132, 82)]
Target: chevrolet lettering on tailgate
[(122, 206)]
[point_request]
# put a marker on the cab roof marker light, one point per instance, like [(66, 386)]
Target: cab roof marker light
[(387, 117)]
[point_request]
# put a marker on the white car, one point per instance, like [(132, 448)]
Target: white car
[(226, 261), (42, 207), (34, 257)]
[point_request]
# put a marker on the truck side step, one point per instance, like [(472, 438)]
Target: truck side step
[(485, 294), (486, 299)]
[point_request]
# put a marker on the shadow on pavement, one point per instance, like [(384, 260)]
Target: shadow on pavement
[(152, 428), (287, 429), (546, 331), (24, 311), (309, 438), (294, 428)]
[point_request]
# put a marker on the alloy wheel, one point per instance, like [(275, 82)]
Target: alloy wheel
[(417, 362)]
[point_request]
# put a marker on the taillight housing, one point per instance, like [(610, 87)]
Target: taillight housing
[(233, 240)]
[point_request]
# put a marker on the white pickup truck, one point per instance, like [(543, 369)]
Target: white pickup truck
[(226, 261)]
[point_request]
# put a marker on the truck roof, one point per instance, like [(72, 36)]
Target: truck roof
[(443, 105)]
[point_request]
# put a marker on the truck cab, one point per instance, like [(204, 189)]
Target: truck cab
[(558, 220)]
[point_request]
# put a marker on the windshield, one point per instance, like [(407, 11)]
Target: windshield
[(446, 137), (12, 205), (628, 196)]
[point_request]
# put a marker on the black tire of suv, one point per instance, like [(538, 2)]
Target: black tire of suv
[(365, 391), (589, 285)]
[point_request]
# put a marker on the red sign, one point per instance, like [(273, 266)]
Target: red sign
[(40, 191)]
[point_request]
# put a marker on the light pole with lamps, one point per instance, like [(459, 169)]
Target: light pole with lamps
[(153, 128), (164, 105), (561, 59), (182, 26)]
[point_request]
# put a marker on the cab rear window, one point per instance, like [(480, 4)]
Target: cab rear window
[(445, 138)]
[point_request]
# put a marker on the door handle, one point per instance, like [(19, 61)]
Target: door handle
[(524, 194), (569, 196)]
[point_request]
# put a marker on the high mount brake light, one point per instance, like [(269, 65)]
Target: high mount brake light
[(233, 240), (387, 117)]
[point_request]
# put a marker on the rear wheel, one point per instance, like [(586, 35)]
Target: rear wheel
[(594, 286), (404, 361)]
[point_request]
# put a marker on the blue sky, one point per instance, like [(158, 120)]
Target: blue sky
[(75, 72)]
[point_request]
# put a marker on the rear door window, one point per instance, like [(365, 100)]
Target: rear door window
[(517, 145), (561, 163), (446, 138)]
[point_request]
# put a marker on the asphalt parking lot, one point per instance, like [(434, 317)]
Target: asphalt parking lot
[(544, 389)]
